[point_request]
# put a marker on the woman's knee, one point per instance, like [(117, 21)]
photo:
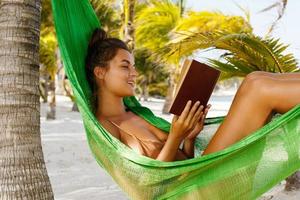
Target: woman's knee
[(255, 89), (258, 74), (256, 82)]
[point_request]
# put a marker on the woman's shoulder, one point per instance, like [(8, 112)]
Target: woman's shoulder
[(114, 131)]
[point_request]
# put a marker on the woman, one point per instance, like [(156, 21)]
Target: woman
[(111, 74)]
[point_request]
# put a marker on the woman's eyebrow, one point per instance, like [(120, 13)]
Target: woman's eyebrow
[(127, 61)]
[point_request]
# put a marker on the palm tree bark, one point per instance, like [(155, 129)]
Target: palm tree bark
[(43, 87), (129, 6), (145, 94), (23, 174), (51, 112)]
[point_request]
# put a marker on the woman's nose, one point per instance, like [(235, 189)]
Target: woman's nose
[(133, 71)]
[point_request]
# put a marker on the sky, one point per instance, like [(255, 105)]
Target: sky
[(287, 29)]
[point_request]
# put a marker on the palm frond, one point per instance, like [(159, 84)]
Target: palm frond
[(252, 53), (154, 22), (198, 31), (108, 16)]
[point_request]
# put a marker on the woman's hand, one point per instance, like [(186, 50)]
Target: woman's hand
[(189, 141), (199, 125), (185, 124)]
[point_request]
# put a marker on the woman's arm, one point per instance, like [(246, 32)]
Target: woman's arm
[(189, 148), (189, 141), (181, 127), (169, 151)]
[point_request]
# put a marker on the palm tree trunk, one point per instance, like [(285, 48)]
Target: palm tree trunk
[(52, 102), (43, 87), (68, 92), (145, 93), (129, 6), (182, 7), (23, 174), (60, 74)]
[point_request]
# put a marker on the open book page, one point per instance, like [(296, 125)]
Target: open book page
[(183, 73)]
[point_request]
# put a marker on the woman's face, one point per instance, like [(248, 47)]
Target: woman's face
[(120, 76)]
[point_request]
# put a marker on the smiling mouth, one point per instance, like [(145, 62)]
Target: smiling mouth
[(132, 84)]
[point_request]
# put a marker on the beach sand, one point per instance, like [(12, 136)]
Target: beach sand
[(74, 173)]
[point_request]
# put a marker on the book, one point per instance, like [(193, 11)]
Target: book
[(196, 83)]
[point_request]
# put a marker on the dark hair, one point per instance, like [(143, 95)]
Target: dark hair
[(101, 50)]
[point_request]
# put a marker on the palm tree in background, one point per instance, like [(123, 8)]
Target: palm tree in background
[(244, 52), (153, 24), (161, 26), (123, 26), (152, 75), (108, 13), (49, 60), (127, 30), (48, 69), (23, 174)]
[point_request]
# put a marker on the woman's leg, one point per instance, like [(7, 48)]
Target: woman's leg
[(282, 76), (256, 99)]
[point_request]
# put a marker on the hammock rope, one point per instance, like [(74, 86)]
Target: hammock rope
[(244, 170)]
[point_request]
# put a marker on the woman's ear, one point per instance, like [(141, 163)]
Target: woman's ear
[(99, 72)]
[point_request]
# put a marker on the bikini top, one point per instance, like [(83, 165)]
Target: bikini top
[(146, 147)]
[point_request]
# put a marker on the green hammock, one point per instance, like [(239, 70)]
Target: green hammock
[(245, 170)]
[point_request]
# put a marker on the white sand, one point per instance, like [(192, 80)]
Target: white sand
[(74, 173)]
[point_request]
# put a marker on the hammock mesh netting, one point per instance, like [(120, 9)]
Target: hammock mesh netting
[(244, 170)]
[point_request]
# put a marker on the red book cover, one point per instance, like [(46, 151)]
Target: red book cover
[(197, 81)]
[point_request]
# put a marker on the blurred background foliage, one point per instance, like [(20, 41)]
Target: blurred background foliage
[(164, 33)]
